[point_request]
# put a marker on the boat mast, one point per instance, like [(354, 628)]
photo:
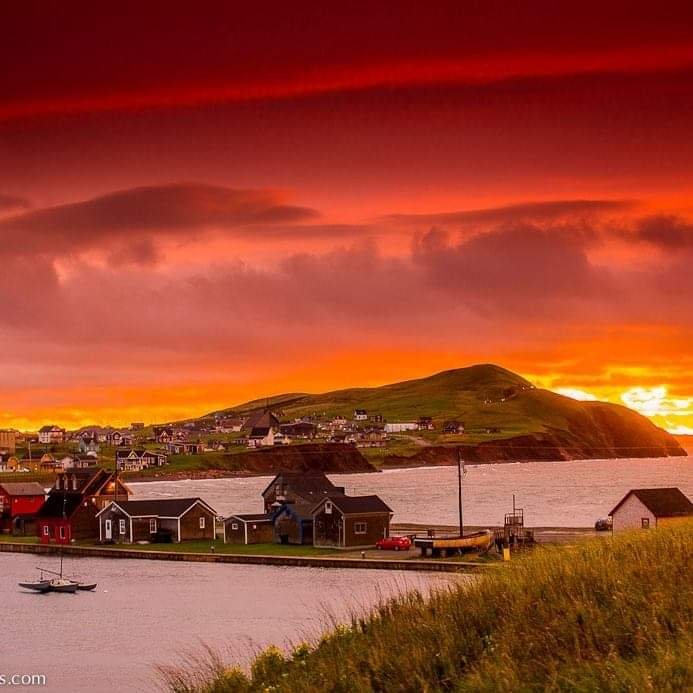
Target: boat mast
[(460, 473)]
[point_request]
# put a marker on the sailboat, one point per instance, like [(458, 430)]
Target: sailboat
[(56, 584)]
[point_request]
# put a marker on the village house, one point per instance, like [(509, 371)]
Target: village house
[(255, 528), (401, 427), (137, 425), (343, 437), (455, 427), (425, 423), (8, 441), (185, 448), (51, 434), (377, 418), (290, 498), (228, 424), (646, 508), (168, 519), (88, 446), (19, 503), (371, 438), (338, 421), (349, 522), (77, 462), (299, 429), (360, 415), (135, 460), (117, 438)]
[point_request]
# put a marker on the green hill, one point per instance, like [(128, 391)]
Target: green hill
[(499, 409)]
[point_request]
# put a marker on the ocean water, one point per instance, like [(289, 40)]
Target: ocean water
[(553, 494), (149, 613)]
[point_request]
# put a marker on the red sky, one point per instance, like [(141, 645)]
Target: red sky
[(203, 204)]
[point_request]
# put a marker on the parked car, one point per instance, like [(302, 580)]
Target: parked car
[(394, 544), (603, 525)]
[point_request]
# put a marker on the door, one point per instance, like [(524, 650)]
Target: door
[(108, 527)]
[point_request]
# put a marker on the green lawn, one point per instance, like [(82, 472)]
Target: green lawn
[(221, 548), (18, 540)]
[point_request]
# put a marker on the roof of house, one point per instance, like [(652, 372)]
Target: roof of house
[(261, 419), (357, 505), (48, 429), (161, 507), (60, 503), (23, 488), (252, 517), (89, 481), (259, 431), (661, 502), (308, 485)]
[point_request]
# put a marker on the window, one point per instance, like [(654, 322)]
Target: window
[(121, 526), (46, 530), (152, 526), (328, 508), (254, 526), (62, 532), (360, 527), (645, 521), (202, 523), (234, 525)]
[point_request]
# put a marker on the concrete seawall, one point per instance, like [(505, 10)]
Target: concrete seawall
[(293, 561)]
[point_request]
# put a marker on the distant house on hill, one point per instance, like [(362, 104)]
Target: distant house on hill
[(51, 434), (456, 427), (263, 427), (650, 507), (400, 427), (425, 423), (348, 522), (135, 460), (185, 447), (360, 415), (299, 429)]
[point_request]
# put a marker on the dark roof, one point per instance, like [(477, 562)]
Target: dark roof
[(307, 485), (261, 419), (259, 431), (46, 429), (252, 517), (60, 503), (23, 488), (162, 507), (661, 502), (357, 505)]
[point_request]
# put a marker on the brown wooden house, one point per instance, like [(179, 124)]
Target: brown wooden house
[(249, 529), (349, 522), (181, 519)]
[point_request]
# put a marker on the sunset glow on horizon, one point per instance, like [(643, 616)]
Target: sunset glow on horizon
[(199, 209)]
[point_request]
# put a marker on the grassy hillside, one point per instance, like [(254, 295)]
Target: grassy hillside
[(494, 404), (608, 615)]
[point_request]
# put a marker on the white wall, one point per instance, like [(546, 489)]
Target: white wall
[(630, 514)]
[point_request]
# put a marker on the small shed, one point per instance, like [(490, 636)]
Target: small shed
[(255, 528), (643, 508), (348, 522)]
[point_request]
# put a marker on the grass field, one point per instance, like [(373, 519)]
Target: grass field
[(220, 547), (610, 615)]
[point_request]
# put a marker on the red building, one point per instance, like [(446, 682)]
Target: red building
[(19, 503), (69, 512)]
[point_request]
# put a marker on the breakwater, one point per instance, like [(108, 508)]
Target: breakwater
[(292, 561)]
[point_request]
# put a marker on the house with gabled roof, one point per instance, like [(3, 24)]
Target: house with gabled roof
[(350, 522), (180, 519), (249, 528), (19, 503), (645, 508)]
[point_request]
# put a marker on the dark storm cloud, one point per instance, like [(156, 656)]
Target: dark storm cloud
[(141, 216)]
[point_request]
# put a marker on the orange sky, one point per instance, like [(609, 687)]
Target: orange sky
[(198, 209)]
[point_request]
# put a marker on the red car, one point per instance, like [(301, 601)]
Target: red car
[(394, 544)]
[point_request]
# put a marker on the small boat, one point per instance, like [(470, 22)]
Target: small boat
[(58, 583), (86, 586), (41, 586)]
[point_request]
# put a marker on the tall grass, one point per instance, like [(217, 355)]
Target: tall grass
[(608, 615)]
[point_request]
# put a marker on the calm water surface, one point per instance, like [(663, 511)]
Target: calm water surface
[(146, 613), (560, 494)]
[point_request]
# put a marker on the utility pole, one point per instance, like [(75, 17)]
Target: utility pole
[(460, 473)]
